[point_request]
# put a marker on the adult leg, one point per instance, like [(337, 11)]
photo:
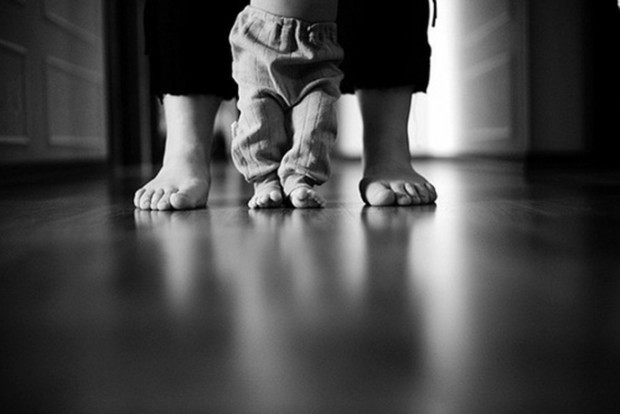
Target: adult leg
[(184, 179), (189, 56), (389, 178), (387, 59)]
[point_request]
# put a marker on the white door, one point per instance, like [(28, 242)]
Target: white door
[(492, 77)]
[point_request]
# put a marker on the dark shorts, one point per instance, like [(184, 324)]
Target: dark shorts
[(189, 53)]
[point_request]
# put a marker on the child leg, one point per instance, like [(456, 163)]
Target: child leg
[(308, 10), (259, 139), (288, 81), (308, 77), (259, 135), (307, 164)]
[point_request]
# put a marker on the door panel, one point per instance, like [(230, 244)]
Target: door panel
[(52, 103), (493, 77), (13, 130)]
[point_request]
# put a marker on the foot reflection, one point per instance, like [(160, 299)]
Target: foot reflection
[(181, 243), (393, 314), (327, 310), (265, 320), (320, 305)]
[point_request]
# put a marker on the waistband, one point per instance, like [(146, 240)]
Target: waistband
[(251, 11)]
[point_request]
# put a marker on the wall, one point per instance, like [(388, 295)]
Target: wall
[(602, 20), (557, 76)]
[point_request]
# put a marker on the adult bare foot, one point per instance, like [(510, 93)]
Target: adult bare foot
[(388, 184), (185, 179), (389, 178), (180, 185)]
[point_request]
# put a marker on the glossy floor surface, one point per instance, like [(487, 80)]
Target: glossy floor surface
[(502, 298)]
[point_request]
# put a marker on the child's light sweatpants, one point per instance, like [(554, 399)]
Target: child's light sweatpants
[(288, 77)]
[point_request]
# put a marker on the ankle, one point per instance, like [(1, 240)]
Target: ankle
[(385, 159), (184, 158)]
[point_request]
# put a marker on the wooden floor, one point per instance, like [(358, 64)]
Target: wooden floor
[(502, 298)]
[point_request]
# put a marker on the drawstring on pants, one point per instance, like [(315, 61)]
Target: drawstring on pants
[(434, 13)]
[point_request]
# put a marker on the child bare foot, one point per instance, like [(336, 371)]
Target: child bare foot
[(178, 186), (387, 184), (306, 197), (267, 194)]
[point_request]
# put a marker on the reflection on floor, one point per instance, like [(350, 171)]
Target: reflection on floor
[(504, 297)]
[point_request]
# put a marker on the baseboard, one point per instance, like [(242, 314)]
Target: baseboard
[(52, 172), (578, 161)]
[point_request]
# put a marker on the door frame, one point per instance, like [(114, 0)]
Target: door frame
[(130, 105)]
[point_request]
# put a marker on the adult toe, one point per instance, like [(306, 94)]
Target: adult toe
[(137, 199), (403, 198), (164, 201), (431, 191), (145, 199), (157, 195), (182, 201), (414, 192), (377, 193)]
